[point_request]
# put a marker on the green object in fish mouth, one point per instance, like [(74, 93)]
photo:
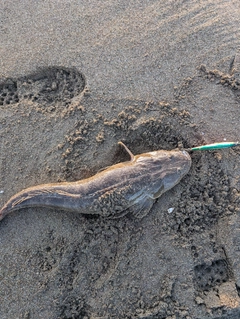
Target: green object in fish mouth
[(215, 146)]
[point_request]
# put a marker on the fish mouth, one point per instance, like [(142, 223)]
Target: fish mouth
[(188, 163), (184, 164)]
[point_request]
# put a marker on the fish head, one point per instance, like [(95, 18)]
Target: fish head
[(163, 170)]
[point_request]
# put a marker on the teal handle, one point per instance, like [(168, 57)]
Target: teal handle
[(215, 146)]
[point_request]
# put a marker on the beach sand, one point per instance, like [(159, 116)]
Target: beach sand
[(76, 78)]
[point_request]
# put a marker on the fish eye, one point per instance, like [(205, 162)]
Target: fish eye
[(179, 170)]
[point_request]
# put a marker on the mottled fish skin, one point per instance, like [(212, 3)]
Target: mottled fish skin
[(128, 186)]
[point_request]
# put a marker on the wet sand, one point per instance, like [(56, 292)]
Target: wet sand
[(76, 79)]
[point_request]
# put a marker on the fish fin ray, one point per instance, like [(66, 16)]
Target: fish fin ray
[(127, 150), (20, 200), (142, 207)]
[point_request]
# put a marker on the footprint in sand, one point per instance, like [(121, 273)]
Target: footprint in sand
[(47, 85)]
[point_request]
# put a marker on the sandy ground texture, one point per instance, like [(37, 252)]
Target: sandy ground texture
[(77, 77)]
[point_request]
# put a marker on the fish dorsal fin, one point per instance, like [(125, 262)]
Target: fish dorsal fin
[(128, 150)]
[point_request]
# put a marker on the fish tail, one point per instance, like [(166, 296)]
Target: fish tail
[(3, 212), (14, 203)]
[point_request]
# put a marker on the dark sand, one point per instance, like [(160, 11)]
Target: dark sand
[(75, 79)]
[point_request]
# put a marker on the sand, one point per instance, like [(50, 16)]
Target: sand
[(77, 77)]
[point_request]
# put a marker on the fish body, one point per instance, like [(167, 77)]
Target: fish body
[(132, 185)]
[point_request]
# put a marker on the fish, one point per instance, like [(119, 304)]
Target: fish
[(131, 186)]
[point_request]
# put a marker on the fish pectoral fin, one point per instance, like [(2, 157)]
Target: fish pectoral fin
[(142, 207), (159, 192)]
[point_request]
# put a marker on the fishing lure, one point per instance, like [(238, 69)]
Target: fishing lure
[(214, 146)]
